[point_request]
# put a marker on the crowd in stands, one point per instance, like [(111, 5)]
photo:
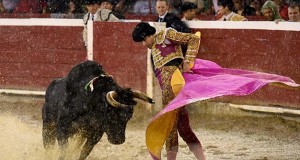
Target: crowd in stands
[(70, 8)]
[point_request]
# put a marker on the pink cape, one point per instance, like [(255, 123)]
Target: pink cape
[(208, 80)]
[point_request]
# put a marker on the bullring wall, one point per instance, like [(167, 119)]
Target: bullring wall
[(34, 52), (256, 46)]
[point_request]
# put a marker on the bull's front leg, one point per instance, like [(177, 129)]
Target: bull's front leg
[(91, 141), (62, 136), (49, 134)]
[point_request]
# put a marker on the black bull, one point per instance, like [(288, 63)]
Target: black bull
[(73, 107)]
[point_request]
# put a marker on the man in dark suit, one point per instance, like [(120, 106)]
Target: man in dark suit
[(171, 19)]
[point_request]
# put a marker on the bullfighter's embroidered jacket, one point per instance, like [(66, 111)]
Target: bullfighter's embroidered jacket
[(167, 47)]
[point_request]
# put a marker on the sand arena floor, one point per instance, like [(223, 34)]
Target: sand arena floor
[(224, 136)]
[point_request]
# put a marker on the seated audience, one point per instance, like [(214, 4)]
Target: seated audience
[(226, 9)]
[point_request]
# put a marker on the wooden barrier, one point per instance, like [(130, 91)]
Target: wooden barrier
[(255, 46), (119, 55), (32, 56)]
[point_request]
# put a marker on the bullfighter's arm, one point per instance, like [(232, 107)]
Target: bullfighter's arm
[(192, 41)]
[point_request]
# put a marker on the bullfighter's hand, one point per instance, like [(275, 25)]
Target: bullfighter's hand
[(186, 66)]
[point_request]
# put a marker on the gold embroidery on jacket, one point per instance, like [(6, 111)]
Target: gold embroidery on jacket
[(176, 39)]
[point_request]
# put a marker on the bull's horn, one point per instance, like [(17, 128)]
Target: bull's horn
[(110, 97), (142, 96)]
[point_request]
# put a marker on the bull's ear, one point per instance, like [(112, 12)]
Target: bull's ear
[(90, 84)]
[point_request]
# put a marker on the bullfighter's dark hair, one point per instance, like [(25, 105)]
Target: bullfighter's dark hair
[(228, 3), (141, 31)]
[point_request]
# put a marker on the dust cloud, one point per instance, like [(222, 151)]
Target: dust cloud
[(19, 140)]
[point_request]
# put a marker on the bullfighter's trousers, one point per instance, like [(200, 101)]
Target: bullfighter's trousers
[(171, 82)]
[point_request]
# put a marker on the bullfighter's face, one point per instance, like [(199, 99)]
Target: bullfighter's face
[(148, 41)]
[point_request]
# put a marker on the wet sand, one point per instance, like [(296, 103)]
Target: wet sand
[(223, 136)]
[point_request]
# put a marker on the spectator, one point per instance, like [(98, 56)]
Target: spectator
[(125, 5), (71, 8), (31, 6), (226, 9), (294, 13), (74, 8), (92, 8), (171, 19), (270, 11), (108, 4), (199, 4), (256, 4), (142, 7), (10, 5), (111, 5), (243, 9), (188, 10), (106, 15)]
